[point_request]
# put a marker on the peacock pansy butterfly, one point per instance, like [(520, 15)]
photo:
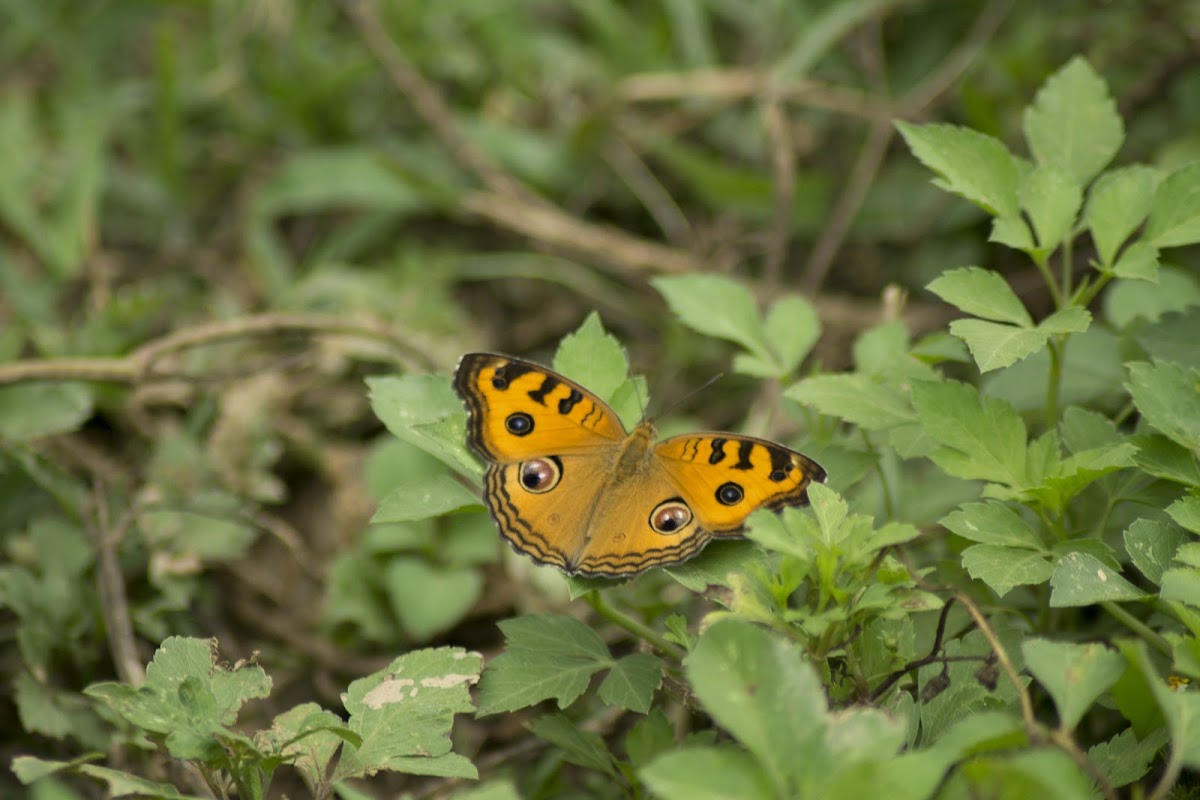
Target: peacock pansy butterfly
[(567, 484)]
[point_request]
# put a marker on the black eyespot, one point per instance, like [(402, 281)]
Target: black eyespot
[(541, 474), (519, 424), (779, 475), (670, 516), (730, 494), (499, 382)]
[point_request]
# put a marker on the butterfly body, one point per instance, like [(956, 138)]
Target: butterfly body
[(569, 486)]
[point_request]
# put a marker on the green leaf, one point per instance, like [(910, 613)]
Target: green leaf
[(981, 293), (1052, 199), (995, 346), (1012, 232), (593, 357), (1124, 759), (1175, 215), (428, 599), (1073, 124), (716, 306), (1168, 397), (309, 736), (1072, 319), (1002, 568), (743, 676), (547, 656), (792, 328), (720, 773), (992, 523), (1138, 262), (855, 398), (1074, 674), (632, 682), (1080, 579), (1173, 290), (585, 748), (1181, 584), (650, 736), (405, 404), (37, 409), (1186, 511), (404, 713), (971, 164), (1151, 546), (982, 438), (29, 769), (1117, 204), (431, 496), (1162, 458)]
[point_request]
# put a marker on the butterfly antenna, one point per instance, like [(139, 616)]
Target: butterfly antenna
[(693, 393)]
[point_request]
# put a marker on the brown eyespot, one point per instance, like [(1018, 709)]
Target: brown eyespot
[(670, 516), (519, 424), (541, 474), (730, 494)]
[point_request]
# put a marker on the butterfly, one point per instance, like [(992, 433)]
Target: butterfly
[(567, 485)]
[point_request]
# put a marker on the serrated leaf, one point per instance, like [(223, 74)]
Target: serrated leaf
[(432, 496), (971, 164), (1124, 759), (582, 747), (1072, 319), (632, 682), (1074, 674), (547, 656), (1138, 262), (1052, 200), (720, 773), (417, 409), (792, 328), (651, 735), (1168, 397), (981, 293), (1073, 123), (1175, 214), (1002, 568), (1151, 546), (855, 398), (1012, 232), (1117, 204), (1163, 458), (716, 306), (593, 357), (992, 523), (1181, 584), (1186, 512), (994, 345), (982, 438), (1080, 579), (404, 713)]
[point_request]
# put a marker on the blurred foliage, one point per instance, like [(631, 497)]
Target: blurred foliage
[(219, 218)]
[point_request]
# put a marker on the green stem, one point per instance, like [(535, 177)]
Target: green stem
[(1051, 284), (1067, 269), (1055, 381), (1137, 626), (638, 629), (888, 506)]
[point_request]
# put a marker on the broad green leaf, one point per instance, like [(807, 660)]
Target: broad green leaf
[(1180, 709), (1124, 759), (1012, 232), (1002, 568), (33, 410), (992, 523), (29, 769), (1030, 773), (1074, 674), (1080, 579), (593, 357), (855, 398), (1162, 458), (309, 736), (792, 328), (1094, 369), (407, 403), (1117, 204), (971, 164), (716, 306), (1052, 200), (1175, 215), (632, 682), (1071, 319), (404, 713), (583, 747), (981, 293), (1174, 335), (982, 438), (1168, 397), (1172, 290), (994, 345), (743, 675), (1151, 546), (433, 496), (429, 599), (547, 656), (650, 736), (720, 773), (1073, 123), (1186, 511), (1182, 584), (1137, 262)]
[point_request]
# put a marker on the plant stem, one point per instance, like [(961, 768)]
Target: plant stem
[(1137, 626), (638, 629), (1051, 284), (1055, 380)]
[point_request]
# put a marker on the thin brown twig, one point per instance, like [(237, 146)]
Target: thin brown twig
[(110, 583), (783, 181)]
